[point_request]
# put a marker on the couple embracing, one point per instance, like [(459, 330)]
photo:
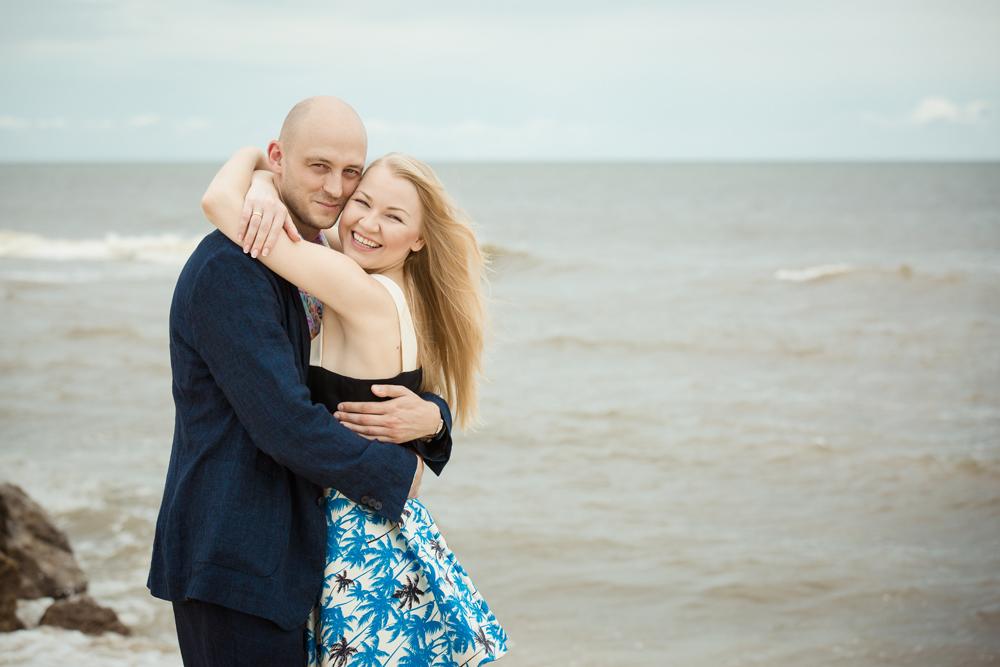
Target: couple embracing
[(312, 377)]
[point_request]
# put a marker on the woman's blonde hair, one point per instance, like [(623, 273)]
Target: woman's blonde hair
[(444, 285)]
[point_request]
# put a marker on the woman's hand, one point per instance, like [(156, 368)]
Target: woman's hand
[(263, 217)]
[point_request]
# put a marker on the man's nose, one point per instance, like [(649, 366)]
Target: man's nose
[(334, 186)]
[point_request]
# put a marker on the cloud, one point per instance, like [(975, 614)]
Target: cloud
[(12, 123), (144, 120), (939, 108), (932, 109), (188, 125), (180, 125), (58, 123), (473, 139)]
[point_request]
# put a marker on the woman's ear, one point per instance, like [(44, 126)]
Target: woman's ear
[(418, 244)]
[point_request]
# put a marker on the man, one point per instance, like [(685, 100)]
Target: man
[(240, 539)]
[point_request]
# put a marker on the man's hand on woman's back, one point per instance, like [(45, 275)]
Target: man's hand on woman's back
[(403, 418)]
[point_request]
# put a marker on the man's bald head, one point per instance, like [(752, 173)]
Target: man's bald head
[(317, 161), (333, 112)]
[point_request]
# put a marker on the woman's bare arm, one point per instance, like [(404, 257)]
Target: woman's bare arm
[(333, 278)]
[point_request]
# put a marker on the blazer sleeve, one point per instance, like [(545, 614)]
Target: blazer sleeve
[(437, 451), (237, 322)]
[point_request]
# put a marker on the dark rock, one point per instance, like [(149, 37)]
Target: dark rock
[(80, 612), (10, 586), (3, 526), (41, 551)]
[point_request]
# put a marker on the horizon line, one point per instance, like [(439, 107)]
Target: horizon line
[(561, 162)]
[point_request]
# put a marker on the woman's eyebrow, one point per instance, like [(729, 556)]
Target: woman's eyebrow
[(388, 208)]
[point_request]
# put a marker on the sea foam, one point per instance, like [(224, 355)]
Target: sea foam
[(814, 272), (162, 249)]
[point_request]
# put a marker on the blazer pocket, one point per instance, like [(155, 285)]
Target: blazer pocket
[(253, 530)]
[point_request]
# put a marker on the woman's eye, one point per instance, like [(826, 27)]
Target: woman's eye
[(393, 217), (362, 202)]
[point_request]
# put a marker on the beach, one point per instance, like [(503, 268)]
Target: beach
[(735, 414)]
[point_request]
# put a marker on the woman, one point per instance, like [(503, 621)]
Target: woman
[(393, 593)]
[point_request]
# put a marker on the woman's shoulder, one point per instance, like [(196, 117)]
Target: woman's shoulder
[(407, 331), (393, 288)]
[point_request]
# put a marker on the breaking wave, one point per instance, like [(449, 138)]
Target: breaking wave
[(814, 272), (163, 249)]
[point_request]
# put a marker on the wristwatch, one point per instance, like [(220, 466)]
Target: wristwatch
[(438, 432)]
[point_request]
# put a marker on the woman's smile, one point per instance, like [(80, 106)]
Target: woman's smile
[(363, 242)]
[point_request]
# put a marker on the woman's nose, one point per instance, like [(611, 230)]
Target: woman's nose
[(369, 221)]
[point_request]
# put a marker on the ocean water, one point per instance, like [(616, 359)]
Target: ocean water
[(736, 414)]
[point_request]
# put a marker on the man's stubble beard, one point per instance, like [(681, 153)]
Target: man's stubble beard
[(296, 204)]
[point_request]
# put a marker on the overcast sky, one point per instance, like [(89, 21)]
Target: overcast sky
[(179, 80)]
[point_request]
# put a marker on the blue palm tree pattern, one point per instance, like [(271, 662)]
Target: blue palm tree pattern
[(394, 594)]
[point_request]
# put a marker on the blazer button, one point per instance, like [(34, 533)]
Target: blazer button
[(378, 506), (319, 501), (364, 500)]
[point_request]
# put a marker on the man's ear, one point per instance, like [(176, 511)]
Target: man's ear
[(274, 156)]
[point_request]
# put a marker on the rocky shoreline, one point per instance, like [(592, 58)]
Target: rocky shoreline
[(37, 561)]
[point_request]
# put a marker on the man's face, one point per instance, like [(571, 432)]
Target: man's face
[(318, 173)]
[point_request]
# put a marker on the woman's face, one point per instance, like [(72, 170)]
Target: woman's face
[(381, 221)]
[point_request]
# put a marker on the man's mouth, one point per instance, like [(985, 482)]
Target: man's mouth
[(362, 241), (330, 206)]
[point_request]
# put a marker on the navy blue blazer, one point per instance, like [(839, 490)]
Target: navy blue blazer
[(241, 523)]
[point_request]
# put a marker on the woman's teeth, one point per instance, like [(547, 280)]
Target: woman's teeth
[(360, 240)]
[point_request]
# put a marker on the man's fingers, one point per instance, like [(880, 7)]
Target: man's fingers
[(386, 429), (391, 390), (371, 408), (379, 421), (369, 432), (405, 415), (367, 421)]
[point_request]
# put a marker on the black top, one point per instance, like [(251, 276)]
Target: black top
[(329, 389)]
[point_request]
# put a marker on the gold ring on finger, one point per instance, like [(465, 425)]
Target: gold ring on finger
[(257, 213)]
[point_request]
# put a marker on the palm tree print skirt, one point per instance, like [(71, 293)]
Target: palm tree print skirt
[(394, 594)]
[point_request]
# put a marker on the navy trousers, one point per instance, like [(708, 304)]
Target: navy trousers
[(214, 636)]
